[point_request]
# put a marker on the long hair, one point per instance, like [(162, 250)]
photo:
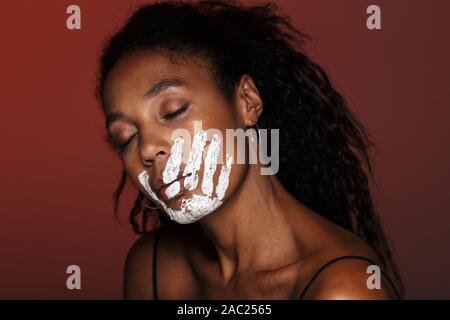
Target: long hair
[(324, 150)]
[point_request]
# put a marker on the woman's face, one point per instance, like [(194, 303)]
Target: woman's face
[(147, 97)]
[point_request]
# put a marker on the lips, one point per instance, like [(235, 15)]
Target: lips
[(161, 187), (162, 191)]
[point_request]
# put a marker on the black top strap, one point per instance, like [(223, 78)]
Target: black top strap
[(338, 259), (155, 249)]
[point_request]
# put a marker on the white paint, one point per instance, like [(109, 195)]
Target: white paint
[(210, 165), (173, 190), (222, 184), (197, 206), (194, 161), (173, 163)]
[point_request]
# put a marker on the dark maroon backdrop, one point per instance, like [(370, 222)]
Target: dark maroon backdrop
[(58, 176)]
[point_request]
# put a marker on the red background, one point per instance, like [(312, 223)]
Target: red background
[(58, 175)]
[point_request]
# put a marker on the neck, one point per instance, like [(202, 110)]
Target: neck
[(253, 230)]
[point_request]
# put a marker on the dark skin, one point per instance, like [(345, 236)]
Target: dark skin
[(261, 243)]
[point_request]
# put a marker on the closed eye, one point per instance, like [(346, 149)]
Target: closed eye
[(124, 144), (175, 114)]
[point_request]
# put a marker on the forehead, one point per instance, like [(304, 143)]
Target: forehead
[(132, 75)]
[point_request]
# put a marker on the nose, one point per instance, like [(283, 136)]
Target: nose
[(153, 150)]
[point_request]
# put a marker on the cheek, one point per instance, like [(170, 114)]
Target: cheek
[(237, 176), (215, 113), (132, 168), (128, 162)]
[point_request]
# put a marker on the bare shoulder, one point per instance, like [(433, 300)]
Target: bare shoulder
[(138, 283), (174, 275), (350, 279), (342, 266), (348, 269)]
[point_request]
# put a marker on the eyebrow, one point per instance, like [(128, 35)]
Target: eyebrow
[(150, 93), (163, 85)]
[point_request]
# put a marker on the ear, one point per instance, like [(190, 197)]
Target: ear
[(249, 102)]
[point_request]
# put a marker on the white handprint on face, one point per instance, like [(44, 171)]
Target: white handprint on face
[(197, 206)]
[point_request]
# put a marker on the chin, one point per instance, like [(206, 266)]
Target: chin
[(190, 208)]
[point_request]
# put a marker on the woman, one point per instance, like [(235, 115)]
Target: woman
[(308, 232)]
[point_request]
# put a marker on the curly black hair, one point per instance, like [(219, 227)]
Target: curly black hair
[(324, 150)]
